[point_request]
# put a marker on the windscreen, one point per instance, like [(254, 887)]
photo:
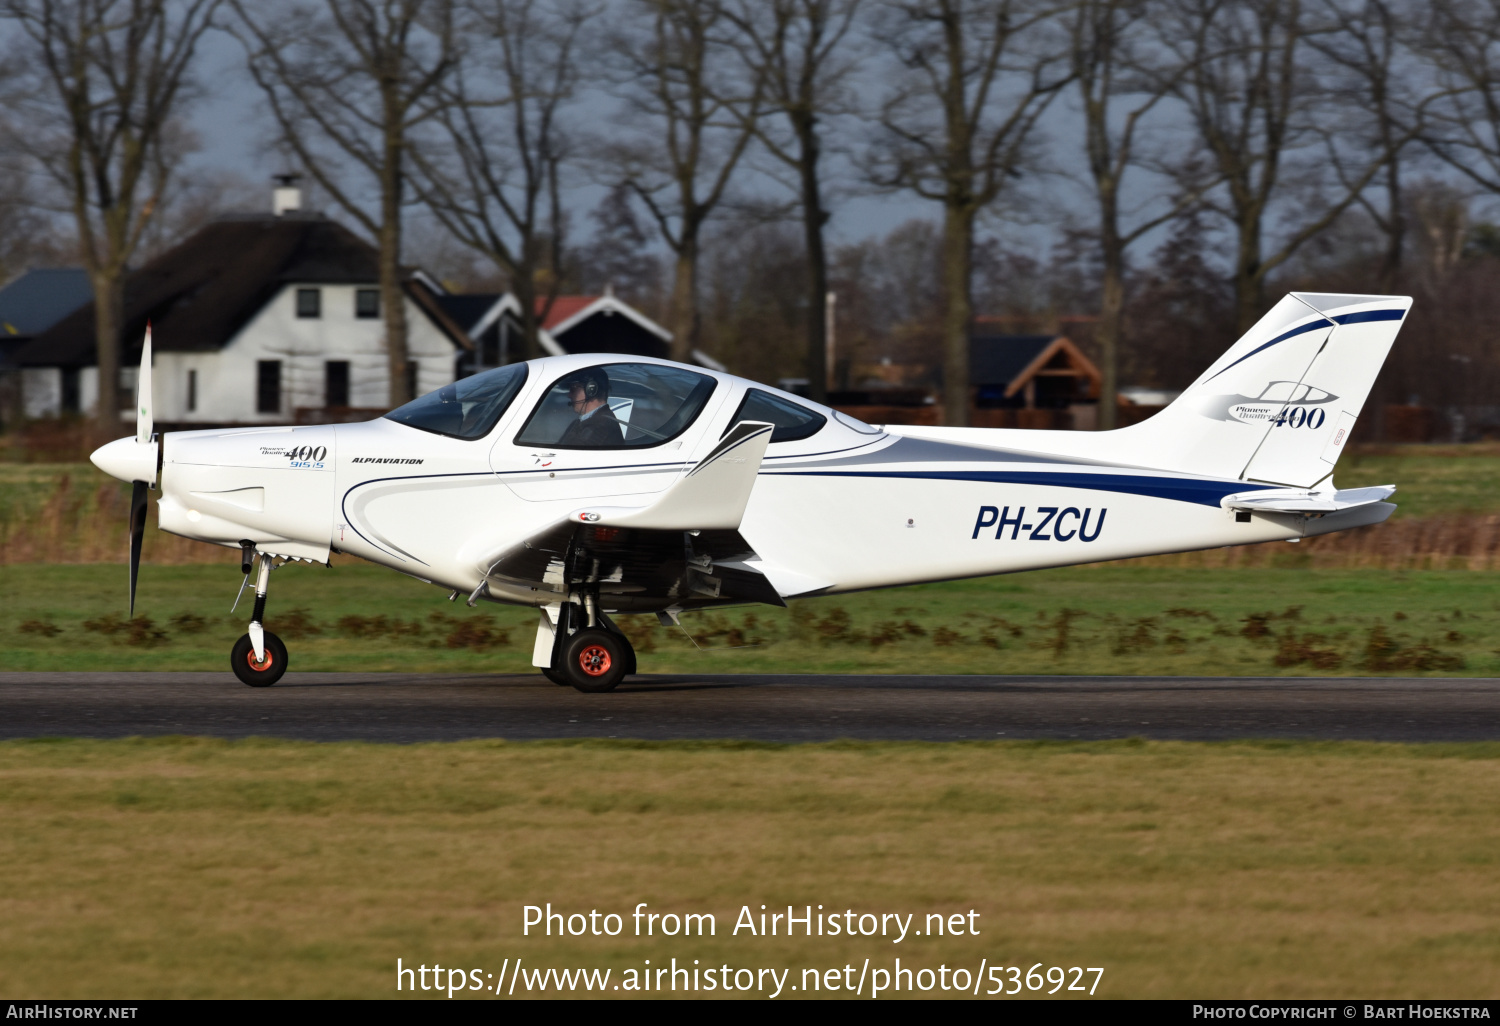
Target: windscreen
[(468, 408)]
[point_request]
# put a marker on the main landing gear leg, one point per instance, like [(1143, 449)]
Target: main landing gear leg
[(587, 651), (259, 658)]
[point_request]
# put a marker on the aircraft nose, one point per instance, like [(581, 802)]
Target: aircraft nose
[(127, 459)]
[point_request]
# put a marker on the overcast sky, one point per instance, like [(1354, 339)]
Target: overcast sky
[(235, 135)]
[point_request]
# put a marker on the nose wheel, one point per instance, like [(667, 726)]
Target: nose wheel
[(258, 658), (261, 673)]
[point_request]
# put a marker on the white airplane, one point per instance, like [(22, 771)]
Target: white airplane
[(592, 485)]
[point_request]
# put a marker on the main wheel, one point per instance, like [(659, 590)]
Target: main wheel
[(595, 659), (262, 674), (555, 676)]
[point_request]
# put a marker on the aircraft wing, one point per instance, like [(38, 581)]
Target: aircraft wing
[(682, 549)]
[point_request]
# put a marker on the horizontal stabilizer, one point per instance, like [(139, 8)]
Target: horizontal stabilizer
[(711, 496), (1296, 500)]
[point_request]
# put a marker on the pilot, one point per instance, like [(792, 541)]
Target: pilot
[(588, 394)]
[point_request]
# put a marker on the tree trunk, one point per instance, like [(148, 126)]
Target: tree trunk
[(1111, 304), (531, 342), (1390, 268), (814, 217), (958, 256), (392, 297), (1249, 285), (685, 299), (109, 311)]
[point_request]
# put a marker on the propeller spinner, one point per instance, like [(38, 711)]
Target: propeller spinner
[(135, 460)]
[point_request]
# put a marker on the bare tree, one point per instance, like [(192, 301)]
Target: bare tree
[(981, 74), (696, 118), (1120, 86), (1255, 100), (347, 82), (1463, 40), (798, 49), (617, 256), (1385, 92), (108, 83), (494, 182)]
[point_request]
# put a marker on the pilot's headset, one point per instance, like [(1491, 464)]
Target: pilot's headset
[(594, 382)]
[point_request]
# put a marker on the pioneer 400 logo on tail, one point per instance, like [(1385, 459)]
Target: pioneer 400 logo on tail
[(1284, 403)]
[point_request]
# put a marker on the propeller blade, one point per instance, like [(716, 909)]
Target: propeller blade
[(144, 420), (137, 532)]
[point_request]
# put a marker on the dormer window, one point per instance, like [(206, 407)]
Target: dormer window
[(366, 304), (309, 303)]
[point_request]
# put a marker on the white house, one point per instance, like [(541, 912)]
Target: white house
[(270, 319)]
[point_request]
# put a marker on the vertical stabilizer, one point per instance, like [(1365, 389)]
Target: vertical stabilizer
[(1280, 404)]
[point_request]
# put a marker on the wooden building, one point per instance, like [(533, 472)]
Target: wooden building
[(1032, 381)]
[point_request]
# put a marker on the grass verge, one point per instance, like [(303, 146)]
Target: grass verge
[(1082, 620), (178, 867)]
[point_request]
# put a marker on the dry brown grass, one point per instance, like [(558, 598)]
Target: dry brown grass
[(187, 868), (83, 519), (85, 522), (1450, 542), (71, 513)]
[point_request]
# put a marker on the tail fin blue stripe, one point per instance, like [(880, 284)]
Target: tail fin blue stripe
[(1360, 317), (1304, 329)]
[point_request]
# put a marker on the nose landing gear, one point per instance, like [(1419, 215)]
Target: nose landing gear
[(259, 657)]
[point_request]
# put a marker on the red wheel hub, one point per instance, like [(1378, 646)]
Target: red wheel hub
[(259, 667), (594, 660)]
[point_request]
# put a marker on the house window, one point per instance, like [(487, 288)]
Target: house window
[(192, 391), (72, 401), (336, 383), (268, 386), (366, 303), (309, 303)]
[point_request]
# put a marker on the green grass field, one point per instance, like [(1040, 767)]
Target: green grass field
[(199, 868), (1431, 479), (1084, 620)]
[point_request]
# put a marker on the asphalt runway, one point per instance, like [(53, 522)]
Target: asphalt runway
[(784, 707)]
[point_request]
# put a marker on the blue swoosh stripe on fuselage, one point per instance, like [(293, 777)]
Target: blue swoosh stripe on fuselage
[(1360, 317), (1205, 493)]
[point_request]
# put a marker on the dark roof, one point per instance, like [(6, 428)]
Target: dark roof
[(199, 294), (39, 299), (999, 359), (467, 308)]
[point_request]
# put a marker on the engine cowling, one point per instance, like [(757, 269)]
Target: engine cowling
[(274, 487)]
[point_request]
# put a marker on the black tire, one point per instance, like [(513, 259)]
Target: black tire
[(614, 628), (555, 676), (242, 661), (595, 659)]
